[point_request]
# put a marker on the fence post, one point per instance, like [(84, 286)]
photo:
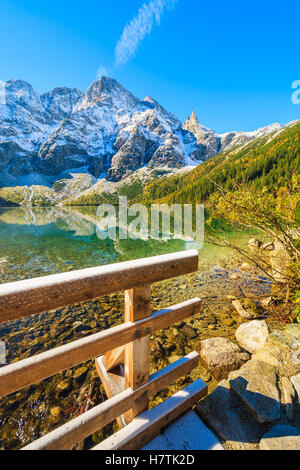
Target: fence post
[(137, 353)]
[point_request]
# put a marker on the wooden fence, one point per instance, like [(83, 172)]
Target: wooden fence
[(121, 353)]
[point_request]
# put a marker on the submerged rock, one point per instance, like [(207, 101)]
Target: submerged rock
[(245, 267), (245, 308), (266, 301), (64, 388), (55, 412), (80, 374)]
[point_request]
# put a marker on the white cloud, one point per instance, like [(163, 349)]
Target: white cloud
[(102, 71), (148, 15)]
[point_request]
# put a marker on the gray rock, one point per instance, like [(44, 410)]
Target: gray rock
[(281, 351), (256, 385), (252, 336), (222, 356), (223, 412), (281, 437), (287, 397)]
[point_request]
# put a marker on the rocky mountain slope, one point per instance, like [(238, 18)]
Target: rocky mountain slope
[(106, 132), (269, 161), (212, 143), (63, 142)]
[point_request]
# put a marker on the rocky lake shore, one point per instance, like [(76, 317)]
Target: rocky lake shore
[(28, 414), (233, 299)]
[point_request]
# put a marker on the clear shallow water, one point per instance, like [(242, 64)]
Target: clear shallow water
[(42, 241)]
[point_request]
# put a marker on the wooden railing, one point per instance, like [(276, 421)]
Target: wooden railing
[(121, 353)]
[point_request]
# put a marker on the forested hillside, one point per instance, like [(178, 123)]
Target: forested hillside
[(262, 163)]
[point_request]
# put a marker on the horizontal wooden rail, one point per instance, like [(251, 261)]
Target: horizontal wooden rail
[(66, 436), (36, 368), (150, 423), (25, 298)]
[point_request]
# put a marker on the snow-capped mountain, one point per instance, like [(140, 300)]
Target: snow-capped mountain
[(107, 133), (213, 143)]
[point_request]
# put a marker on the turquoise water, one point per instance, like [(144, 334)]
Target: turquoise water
[(40, 241)]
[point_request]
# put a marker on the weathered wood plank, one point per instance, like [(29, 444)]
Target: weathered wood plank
[(66, 436), (137, 353), (113, 382), (150, 423), (25, 298), (36, 368), (114, 358)]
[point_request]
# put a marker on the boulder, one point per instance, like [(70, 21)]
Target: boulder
[(256, 386), (221, 410), (222, 356), (281, 351), (233, 276), (252, 335), (281, 437)]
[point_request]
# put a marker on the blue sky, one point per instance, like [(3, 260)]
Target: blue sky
[(232, 62)]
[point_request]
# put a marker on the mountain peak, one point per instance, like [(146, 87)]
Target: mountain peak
[(193, 125), (107, 132), (61, 101), (19, 93), (109, 90), (194, 117)]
